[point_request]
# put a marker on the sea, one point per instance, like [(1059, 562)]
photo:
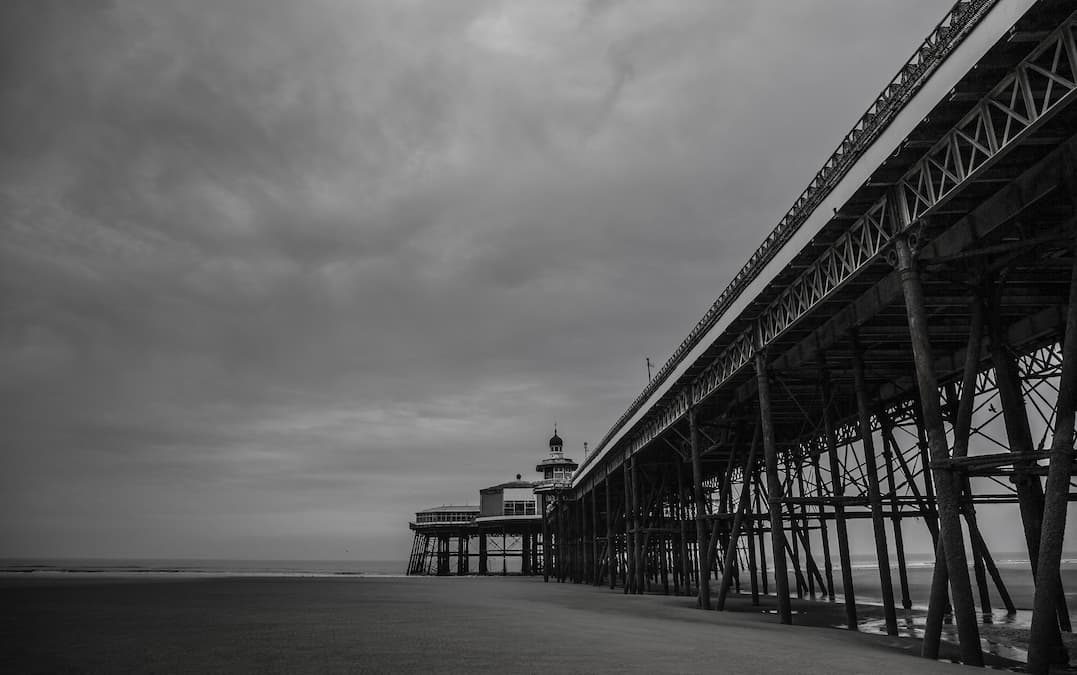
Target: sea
[(197, 567), (333, 568)]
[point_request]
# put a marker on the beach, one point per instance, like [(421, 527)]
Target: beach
[(416, 624)]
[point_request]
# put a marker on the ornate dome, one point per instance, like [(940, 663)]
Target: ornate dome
[(555, 440)]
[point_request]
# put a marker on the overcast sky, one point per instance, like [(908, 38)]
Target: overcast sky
[(275, 275)]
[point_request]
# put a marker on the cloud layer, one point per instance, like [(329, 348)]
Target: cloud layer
[(275, 275)]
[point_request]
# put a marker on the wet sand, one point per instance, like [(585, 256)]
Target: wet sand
[(412, 625), (1004, 636)]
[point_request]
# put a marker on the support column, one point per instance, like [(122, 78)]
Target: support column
[(443, 555), (704, 597), (682, 518), (757, 481), (863, 408), (824, 534), (630, 559), (562, 531), (411, 557), (1040, 654), (641, 567), (753, 567), (1030, 495), (482, 553), (525, 553), (895, 519), (545, 539), (739, 516), (596, 563), (461, 554), (838, 487), (663, 539), (586, 539), (946, 491), (774, 491), (611, 567)]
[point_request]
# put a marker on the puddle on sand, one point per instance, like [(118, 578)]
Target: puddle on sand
[(914, 625)]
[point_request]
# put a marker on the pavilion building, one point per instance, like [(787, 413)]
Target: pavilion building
[(508, 526)]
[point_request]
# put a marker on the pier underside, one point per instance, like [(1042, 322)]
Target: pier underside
[(464, 549)]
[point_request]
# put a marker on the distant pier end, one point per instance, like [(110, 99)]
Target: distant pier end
[(505, 534)]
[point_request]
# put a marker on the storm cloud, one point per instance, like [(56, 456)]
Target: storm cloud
[(275, 275)]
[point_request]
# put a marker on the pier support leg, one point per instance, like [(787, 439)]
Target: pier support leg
[(443, 555), (1030, 494), (637, 529), (774, 491), (824, 534), (582, 563), (946, 489), (562, 568), (663, 537), (525, 553), (704, 598), (1056, 497), (895, 516), (682, 518), (611, 549), (697, 487), (863, 408), (753, 566), (596, 561), (545, 539), (757, 480), (739, 516), (483, 568), (461, 554), (838, 486), (630, 558)]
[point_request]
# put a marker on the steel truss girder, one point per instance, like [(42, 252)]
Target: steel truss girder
[(1037, 88), (936, 47)]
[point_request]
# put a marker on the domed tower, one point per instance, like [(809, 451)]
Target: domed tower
[(556, 469)]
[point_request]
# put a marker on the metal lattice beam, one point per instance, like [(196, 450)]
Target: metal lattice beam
[(947, 35), (1036, 89)]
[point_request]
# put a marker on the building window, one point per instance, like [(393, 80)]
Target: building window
[(519, 508)]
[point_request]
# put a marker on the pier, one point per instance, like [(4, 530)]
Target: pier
[(900, 349)]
